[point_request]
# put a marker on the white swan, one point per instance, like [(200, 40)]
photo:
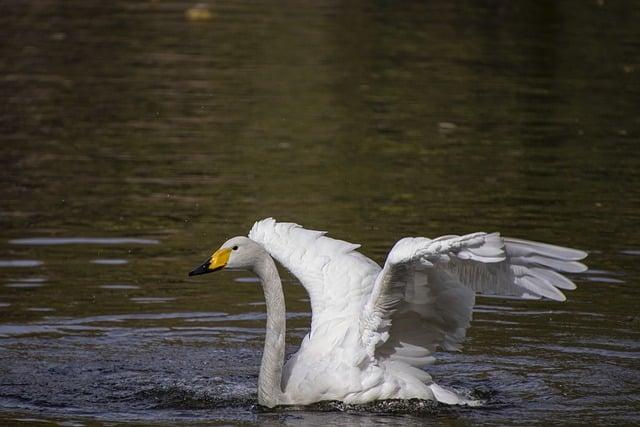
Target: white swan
[(372, 329)]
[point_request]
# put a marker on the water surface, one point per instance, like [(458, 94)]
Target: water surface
[(138, 136)]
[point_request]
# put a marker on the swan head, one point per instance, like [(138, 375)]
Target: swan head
[(237, 253)]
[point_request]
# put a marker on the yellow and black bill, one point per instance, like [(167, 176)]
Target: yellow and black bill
[(217, 262)]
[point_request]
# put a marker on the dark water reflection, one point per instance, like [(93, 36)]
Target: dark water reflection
[(135, 140)]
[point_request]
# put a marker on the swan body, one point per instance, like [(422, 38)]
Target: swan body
[(373, 328)]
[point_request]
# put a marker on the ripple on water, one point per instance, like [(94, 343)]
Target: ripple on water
[(416, 407), (67, 423), (486, 308), (70, 424), (26, 282), (31, 280), (593, 271), (602, 276), (603, 279), (152, 300), (47, 241), (186, 316), (109, 261), (632, 252), (255, 303), (119, 286), (20, 263), (181, 395), (23, 285)]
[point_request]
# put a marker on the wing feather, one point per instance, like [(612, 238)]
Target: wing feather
[(423, 298), (337, 278)]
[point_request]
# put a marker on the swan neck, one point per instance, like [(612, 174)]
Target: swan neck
[(270, 380)]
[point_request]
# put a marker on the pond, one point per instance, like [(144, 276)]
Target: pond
[(137, 136)]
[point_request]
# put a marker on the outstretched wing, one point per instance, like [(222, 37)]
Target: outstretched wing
[(423, 298), (337, 277)]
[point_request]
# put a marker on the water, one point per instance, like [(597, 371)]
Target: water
[(135, 138)]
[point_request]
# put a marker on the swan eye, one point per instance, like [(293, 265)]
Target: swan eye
[(235, 248)]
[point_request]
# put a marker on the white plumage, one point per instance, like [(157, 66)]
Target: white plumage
[(373, 328)]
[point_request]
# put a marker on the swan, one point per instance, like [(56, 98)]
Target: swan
[(372, 328)]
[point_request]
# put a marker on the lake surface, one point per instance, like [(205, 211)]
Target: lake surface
[(136, 136)]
